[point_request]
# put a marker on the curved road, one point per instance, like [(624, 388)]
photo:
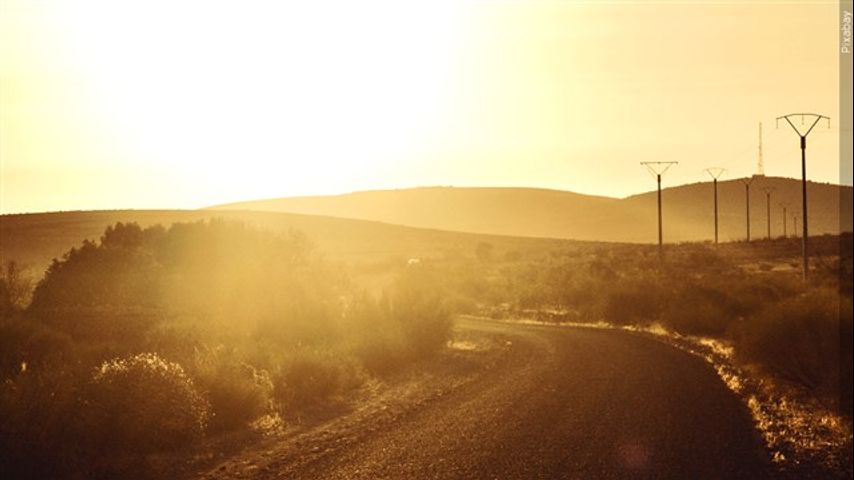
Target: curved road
[(551, 403)]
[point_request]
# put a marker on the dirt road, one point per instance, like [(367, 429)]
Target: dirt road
[(529, 402)]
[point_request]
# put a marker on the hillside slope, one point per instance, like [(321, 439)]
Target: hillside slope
[(35, 239), (688, 210)]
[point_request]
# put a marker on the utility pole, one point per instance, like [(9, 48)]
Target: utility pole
[(784, 206), (715, 173), (768, 191), (815, 119), (795, 219), (657, 169), (760, 166), (747, 181)]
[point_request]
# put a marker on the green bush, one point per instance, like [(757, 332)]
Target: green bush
[(144, 404)]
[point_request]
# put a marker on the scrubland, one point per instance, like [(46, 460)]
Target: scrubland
[(153, 340)]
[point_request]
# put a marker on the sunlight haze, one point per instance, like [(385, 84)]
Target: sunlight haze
[(190, 104)]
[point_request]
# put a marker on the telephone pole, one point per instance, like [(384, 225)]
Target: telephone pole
[(768, 191), (657, 169), (715, 173), (815, 118), (747, 181), (795, 220), (784, 206)]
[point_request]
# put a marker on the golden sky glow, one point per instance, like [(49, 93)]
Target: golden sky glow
[(163, 104)]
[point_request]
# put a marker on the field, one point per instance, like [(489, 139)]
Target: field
[(253, 322)]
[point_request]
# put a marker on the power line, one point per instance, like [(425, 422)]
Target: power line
[(815, 118)]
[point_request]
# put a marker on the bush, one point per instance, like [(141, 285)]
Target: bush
[(144, 404), (416, 303), (238, 393), (312, 378), (800, 339), (377, 340), (633, 302), (382, 354), (699, 310), (26, 344), (41, 435)]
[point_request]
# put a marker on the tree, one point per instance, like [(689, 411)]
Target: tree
[(15, 289)]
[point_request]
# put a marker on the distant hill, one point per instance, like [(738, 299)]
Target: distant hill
[(35, 239), (688, 210)]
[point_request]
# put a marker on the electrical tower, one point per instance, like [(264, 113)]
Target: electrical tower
[(747, 181), (715, 173), (815, 118), (657, 169), (768, 191)]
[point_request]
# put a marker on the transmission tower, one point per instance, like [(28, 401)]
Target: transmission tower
[(768, 191), (814, 118), (715, 173), (657, 169), (747, 181)]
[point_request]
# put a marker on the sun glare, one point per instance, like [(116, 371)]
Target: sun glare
[(216, 102), (269, 96)]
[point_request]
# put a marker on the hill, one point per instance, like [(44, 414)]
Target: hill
[(35, 239), (688, 210)]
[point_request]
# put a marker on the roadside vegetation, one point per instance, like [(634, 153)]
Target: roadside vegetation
[(153, 339), (150, 340), (751, 295)]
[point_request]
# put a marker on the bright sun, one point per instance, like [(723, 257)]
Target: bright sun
[(291, 97)]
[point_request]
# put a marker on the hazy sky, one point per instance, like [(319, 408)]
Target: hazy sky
[(186, 104)]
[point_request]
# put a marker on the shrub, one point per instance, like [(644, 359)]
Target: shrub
[(800, 339), (635, 302), (698, 310), (238, 393), (41, 435), (382, 354), (311, 378), (144, 404), (27, 344), (377, 340), (416, 303)]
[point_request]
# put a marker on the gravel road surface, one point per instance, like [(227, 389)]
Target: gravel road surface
[(530, 402)]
